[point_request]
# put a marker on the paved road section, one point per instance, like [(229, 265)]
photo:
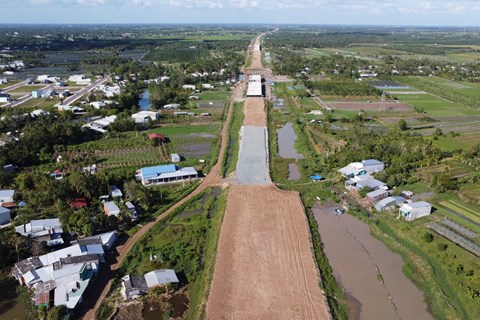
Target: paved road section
[(253, 157)]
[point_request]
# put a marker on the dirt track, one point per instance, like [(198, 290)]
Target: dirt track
[(265, 268)]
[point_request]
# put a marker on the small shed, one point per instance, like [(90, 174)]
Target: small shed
[(414, 210), (4, 215), (158, 136), (111, 209), (175, 157), (115, 191), (316, 178), (377, 195)]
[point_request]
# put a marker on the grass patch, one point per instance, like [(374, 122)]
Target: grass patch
[(449, 143), (231, 156), (436, 106), (214, 95)]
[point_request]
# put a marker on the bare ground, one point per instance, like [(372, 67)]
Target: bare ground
[(255, 112), (389, 105), (265, 268)]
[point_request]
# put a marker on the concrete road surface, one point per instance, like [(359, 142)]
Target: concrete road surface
[(253, 158)]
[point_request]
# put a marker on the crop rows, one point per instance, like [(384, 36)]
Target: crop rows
[(459, 229), (475, 216), (455, 237), (176, 55)]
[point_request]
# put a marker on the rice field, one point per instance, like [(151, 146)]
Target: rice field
[(436, 106), (449, 143), (462, 209)]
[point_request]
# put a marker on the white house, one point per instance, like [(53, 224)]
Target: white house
[(160, 277), (135, 286), (144, 116), (207, 86), (115, 192), (49, 230), (132, 209), (415, 210), (4, 215), (388, 203), (377, 195), (3, 80), (98, 104), (111, 209), (369, 166), (175, 157)]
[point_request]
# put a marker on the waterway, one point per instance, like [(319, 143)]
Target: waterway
[(10, 305), (144, 102), (370, 274), (286, 142)]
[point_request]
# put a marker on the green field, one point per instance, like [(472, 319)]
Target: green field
[(471, 191), (214, 95), (176, 55), (448, 143), (467, 88), (436, 106), (187, 129)]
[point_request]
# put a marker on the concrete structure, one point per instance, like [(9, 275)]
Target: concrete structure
[(37, 94), (5, 97), (370, 166), (4, 215), (189, 87), (362, 181), (253, 156), (254, 88), (111, 209), (415, 210), (377, 195), (171, 106), (165, 174), (132, 209), (145, 116), (388, 203), (102, 124)]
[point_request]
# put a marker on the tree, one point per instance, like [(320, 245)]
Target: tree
[(402, 125)]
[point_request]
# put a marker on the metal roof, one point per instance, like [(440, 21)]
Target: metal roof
[(371, 162), (158, 277), (152, 172)]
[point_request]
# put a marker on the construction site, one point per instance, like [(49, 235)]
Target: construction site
[(265, 267)]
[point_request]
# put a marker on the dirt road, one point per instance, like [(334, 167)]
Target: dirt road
[(265, 268)]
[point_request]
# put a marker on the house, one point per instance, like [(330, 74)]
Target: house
[(29, 81), (377, 195), (79, 203), (64, 94), (160, 277), (60, 276), (171, 106), (57, 174), (145, 116), (3, 80), (4, 215), (6, 197), (388, 203), (175, 157), (37, 94), (188, 87), (165, 174), (107, 240), (74, 109), (10, 168), (101, 125), (370, 166), (158, 136), (76, 77), (372, 183), (90, 169), (9, 73), (98, 104), (115, 192), (49, 230), (316, 112), (415, 210), (135, 286), (5, 97), (39, 112), (49, 93), (132, 209), (111, 209), (207, 86)]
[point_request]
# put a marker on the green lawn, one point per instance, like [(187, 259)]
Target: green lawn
[(449, 143), (169, 130), (435, 106), (467, 88), (214, 95)]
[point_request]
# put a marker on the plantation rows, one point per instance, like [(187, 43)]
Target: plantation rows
[(449, 94), (343, 88), (455, 237), (176, 55)]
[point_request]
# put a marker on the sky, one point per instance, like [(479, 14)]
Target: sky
[(355, 12)]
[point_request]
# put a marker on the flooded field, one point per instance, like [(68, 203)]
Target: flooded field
[(293, 172), (144, 102), (286, 142), (370, 274)]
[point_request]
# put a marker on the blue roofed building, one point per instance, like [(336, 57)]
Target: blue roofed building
[(162, 174)]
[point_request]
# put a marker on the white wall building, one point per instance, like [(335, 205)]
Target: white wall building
[(415, 210)]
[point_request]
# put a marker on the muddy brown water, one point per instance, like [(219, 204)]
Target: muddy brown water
[(293, 172), (370, 274), (11, 307), (286, 142)]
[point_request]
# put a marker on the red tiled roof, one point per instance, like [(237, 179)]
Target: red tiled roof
[(156, 136)]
